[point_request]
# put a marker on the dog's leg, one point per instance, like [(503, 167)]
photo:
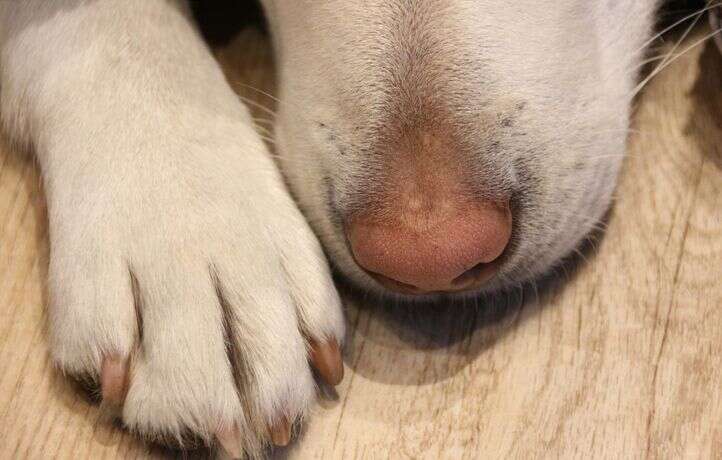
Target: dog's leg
[(174, 244)]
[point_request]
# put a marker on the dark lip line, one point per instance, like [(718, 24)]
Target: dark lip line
[(358, 290)]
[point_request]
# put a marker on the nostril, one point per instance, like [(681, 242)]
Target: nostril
[(476, 275), (396, 285), (473, 277)]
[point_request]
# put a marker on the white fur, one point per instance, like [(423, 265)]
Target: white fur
[(153, 172), (572, 64)]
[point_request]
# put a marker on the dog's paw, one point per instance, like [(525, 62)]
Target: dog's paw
[(191, 287)]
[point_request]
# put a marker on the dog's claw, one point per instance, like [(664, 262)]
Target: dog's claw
[(326, 358), (114, 380), (281, 432), (229, 440)]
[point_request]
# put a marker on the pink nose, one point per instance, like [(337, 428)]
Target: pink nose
[(446, 250)]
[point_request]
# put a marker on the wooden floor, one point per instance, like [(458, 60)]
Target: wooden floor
[(622, 359)]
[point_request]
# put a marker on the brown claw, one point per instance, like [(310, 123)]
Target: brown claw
[(228, 438), (114, 380), (281, 432), (326, 358)]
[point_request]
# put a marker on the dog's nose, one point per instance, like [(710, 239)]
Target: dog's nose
[(442, 249)]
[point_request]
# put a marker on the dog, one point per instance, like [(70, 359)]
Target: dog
[(427, 149)]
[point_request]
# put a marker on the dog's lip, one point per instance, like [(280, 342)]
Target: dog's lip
[(469, 284)]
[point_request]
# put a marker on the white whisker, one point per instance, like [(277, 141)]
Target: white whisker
[(665, 64), (258, 105), (694, 15), (265, 121)]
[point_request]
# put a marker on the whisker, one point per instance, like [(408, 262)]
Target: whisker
[(301, 111), (681, 40), (265, 121), (660, 68), (258, 105), (260, 91), (610, 156), (262, 128), (658, 35)]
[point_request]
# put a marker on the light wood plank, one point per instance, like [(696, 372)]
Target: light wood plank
[(623, 360)]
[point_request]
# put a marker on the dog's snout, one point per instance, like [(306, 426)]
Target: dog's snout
[(445, 250), (428, 229)]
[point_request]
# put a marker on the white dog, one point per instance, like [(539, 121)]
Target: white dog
[(434, 147)]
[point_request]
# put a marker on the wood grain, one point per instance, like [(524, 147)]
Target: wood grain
[(618, 358)]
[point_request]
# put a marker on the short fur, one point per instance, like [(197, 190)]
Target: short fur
[(173, 238)]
